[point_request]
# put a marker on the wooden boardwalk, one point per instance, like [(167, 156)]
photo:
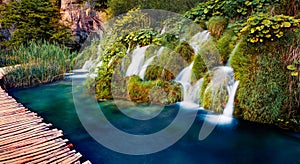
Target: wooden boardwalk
[(25, 138)]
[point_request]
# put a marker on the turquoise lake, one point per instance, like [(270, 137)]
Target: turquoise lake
[(238, 142)]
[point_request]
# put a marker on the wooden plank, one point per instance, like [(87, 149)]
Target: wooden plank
[(37, 126), (61, 157), (43, 158), (72, 159), (24, 138), (19, 122), (29, 150), (19, 127), (31, 140), (32, 153)]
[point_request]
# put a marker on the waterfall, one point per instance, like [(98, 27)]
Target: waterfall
[(191, 92), (198, 39), (228, 111), (148, 62), (223, 78), (185, 75), (137, 61)]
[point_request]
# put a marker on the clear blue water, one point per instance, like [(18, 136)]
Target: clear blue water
[(240, 142)]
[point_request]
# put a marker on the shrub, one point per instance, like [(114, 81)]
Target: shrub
[(261, 27), (227, 8)]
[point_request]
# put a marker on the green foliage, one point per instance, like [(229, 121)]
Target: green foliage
[(40, 63), (261, 27), (294, 68), (110, 61), (34, 20), (7, 59), (118, 7), (225, 44), (262, 92), (199, 68), (155, 72), (227, 8), (139, 38), (134, 20), (204, 92), (216, 25)]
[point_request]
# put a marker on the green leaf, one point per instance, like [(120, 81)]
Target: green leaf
[(275, 27), (205, 11), (267, 23), (291, 67), (295, 73), (286, 24), (297, 62)]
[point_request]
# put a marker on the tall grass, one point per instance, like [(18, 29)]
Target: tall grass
[(7, 59), (40, 62)]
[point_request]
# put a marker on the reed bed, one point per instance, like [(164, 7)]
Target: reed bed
[(40, 62)]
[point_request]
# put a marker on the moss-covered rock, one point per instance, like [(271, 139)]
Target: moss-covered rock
[(261, 69), (158, 91), (225, 44), (217, 25), (185, 51)]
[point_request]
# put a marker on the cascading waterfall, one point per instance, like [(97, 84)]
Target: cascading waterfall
[(198, 39), (184, 78), (137, 61), (228, 111), (138, 66), (192, 92), (148, 62)]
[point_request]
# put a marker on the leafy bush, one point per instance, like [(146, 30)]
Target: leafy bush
[(261, 27), (227, 8), (199, 68)]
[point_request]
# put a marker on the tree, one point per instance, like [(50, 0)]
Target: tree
[(34, 20)]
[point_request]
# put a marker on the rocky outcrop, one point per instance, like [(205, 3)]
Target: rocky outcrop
[(81, 17)]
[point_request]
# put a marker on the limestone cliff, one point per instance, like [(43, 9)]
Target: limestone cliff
[(81, 17)]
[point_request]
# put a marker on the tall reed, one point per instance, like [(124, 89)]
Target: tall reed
[(40, 62)]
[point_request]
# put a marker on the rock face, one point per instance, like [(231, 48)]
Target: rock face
[(81, 17)]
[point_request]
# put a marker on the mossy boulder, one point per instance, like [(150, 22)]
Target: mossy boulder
[(214, 91), (217, 25), (158, 91)]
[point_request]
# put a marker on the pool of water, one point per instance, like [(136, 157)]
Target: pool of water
[(238, 142)]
